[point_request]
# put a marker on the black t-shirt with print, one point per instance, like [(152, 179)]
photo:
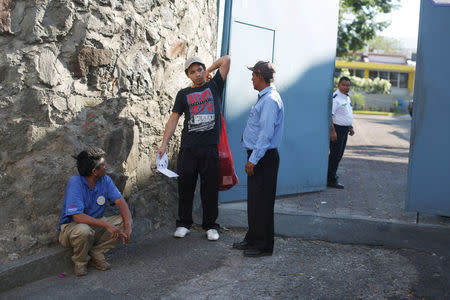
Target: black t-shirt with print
[(201, 107)]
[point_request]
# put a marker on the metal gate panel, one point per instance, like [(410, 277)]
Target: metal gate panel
[(300, 38), (429, 165)]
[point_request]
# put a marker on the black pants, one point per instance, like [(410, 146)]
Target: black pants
[(261, 190), (337, 149), (191, 162)]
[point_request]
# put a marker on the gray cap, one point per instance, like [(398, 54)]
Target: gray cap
[(192, 60), (265, 68)]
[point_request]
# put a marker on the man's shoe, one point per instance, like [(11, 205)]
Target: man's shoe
[(80, 270), (256, 253), (181, 232), (335, 185), (101, 265), (244, 245), (212, 235)]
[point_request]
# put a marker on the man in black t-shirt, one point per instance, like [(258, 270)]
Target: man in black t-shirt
[(201, 104)]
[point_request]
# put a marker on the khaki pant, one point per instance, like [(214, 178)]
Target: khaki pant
[(88, 241)]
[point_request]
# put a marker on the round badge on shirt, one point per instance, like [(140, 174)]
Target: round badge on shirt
[(101, 200)]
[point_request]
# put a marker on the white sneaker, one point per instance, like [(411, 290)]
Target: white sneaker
[(181, 232), (212, 235)]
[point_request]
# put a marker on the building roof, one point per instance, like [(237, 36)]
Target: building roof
[(374, 66), (388, 58)]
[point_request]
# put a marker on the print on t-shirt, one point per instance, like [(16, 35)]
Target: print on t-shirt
[(201, 108)]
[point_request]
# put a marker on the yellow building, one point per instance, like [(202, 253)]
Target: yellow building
[(401, 76)]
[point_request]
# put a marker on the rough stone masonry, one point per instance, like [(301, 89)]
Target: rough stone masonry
[(79, 72)]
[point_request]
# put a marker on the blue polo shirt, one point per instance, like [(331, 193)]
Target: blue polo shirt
[(80, 198)]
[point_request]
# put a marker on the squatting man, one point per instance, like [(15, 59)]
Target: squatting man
[(82, 224)]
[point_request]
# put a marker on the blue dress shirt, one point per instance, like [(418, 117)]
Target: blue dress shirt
[(264, 127), (80, 198)]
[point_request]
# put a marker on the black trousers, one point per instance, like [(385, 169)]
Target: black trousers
[(261, 190), (192, 162), (337, 149)]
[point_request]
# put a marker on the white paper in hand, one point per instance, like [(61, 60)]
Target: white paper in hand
[(161, 165)]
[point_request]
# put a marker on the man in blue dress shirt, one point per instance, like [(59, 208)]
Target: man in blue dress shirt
[(82, 224), (261, 138)]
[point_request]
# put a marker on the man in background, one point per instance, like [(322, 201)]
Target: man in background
[(341, 127)]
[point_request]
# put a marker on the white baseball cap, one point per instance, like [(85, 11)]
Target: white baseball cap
[(192, 60)]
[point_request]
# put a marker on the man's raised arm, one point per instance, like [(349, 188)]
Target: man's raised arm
[(223, 64)]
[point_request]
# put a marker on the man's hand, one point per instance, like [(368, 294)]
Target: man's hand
[(208, 77), (126, 235), (333, 136), (114, 231), (126, 218), (161, 151), (351, 131), (249, 168)]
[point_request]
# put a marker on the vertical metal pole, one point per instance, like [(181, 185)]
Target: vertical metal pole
[(226, 40), (226, 28), (417, 218)]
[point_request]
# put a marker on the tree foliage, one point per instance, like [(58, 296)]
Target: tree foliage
[(358, 24), (367, 85), (382, 44)]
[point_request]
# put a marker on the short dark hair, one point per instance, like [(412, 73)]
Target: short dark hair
[(264, 68), (196, 63), (344, 78), (267, 80), (89, 159)]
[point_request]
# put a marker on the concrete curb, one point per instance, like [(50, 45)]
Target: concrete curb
[(348, 230), (34, 267)]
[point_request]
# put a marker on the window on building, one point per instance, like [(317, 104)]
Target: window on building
[(383, 75), (393, 78), (403, 81), (399, 80), (359, 73)]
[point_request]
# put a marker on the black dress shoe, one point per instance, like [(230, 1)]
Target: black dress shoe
[(256, 253), (335, 185), (241, 245)]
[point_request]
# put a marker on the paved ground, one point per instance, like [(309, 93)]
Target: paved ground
[(374, 172), (193, 268)]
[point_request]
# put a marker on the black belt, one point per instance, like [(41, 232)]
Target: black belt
[(267, 151)]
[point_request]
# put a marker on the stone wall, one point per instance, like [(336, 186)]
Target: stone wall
[(102, 72)]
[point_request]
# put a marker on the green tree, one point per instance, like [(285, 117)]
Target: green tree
[(357, 23), (384, 45)]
